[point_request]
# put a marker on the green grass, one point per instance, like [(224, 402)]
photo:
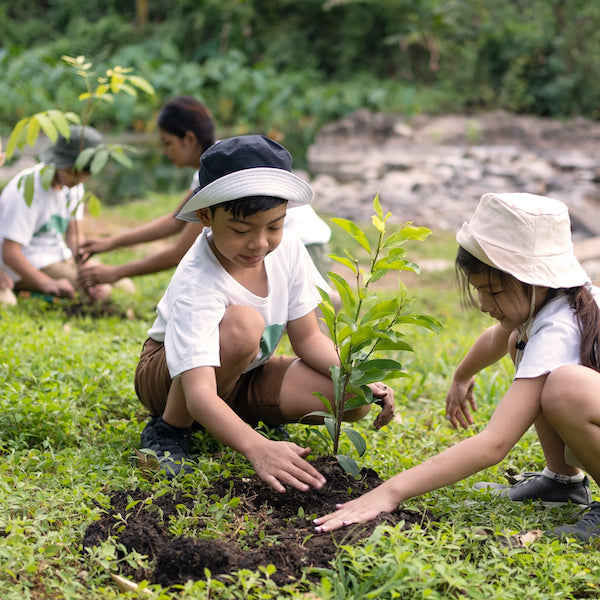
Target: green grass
[(70, 420)]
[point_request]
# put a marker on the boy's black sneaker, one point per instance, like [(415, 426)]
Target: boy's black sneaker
[(535, 486), (586, 529), (171, 445)]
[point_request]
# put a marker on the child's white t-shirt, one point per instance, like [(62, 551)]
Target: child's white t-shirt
[(190, 311), (41, 227), (553, 338)]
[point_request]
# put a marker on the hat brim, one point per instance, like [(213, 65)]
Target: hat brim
[(556, 271), (258, 181)]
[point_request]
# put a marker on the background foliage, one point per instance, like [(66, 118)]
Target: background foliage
[(287, 67)]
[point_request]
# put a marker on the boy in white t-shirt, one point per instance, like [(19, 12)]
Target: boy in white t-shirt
[(210, 356), (38, 241)]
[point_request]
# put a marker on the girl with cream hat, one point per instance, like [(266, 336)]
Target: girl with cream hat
[(516, 261)]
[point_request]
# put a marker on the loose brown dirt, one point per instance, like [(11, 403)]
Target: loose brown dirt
[(282, 535)]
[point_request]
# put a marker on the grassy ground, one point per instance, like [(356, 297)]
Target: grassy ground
[(69, 423)]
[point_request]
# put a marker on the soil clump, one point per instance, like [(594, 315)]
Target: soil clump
[(282, 533)]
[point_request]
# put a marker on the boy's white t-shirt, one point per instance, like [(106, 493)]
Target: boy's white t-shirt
[(553, 338), (41, 227), (190, 311)]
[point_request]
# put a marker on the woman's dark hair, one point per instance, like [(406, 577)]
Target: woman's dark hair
[(250, 205), (580, 299), (185, 113)]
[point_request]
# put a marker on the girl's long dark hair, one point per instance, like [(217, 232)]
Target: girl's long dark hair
[(580, 299)]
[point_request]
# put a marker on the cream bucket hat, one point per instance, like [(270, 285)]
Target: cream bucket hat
[(525, 235)]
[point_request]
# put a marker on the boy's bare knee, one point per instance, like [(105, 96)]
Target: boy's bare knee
[(356, 414), (240, 331)]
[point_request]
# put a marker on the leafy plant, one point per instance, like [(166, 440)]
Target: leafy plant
[(54, 122), (365, 325)]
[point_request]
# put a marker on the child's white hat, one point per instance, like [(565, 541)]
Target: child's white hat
[(525, 235), (239, 167)]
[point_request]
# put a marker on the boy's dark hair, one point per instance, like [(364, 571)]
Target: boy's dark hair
[(185, 113), (250, 205), (580, 298)]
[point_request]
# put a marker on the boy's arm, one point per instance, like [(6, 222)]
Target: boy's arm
[(30, 277), (277, 463), (489, 348), (311, 345)]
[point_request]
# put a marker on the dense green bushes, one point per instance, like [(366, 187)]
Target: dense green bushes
[(287, 67)]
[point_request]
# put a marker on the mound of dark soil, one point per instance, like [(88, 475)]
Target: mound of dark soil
[(284, 538)]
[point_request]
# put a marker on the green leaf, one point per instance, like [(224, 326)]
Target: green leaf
[(358, 441), (349, 465), (329, 423), (325, 401), (33, 130), (405, 233), (320, 434), (121, 158), (345, 292), (381, 309), (398, 345), (355, 231), (377, 206), (318, 413), (351, 264), (17, 137), (61, 120), (99, 161), (93, 204), (84, 158), (28, 191), (47, 175), (142, 84), (47, 126)]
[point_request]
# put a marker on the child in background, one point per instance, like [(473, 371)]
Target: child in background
[(516, 254), (186, 130), (39, 242), (210, 357)]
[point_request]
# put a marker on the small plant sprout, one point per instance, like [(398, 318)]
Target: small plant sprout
[(54, 122), (366, 325)]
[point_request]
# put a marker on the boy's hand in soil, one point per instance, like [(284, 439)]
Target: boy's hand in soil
[(459, 399), (58, 287), (280, 463), (361, 509), (385, 395)]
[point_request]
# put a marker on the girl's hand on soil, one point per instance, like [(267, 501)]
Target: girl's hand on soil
[(280, 463), (364, 508), (386, 401), (459, 399)]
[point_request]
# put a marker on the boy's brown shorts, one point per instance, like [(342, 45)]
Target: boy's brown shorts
[(254, 398)]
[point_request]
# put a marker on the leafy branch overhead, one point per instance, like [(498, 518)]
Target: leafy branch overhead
[(54, 122), (366, 325)]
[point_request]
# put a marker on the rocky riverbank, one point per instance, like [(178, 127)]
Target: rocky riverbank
[(433, 170)]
